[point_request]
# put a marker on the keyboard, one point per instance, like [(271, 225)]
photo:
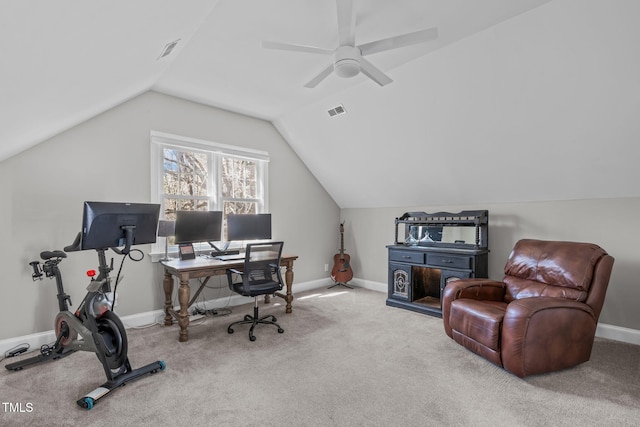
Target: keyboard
[(234, 257)]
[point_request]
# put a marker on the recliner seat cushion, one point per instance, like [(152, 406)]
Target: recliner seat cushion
[(481, 320)]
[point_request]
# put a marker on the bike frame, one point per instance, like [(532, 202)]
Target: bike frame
[(86, 324)]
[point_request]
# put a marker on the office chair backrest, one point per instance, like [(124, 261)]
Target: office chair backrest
[(262, 265)]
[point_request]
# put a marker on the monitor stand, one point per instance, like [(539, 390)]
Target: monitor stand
[(224, 251)]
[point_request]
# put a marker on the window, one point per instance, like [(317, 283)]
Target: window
[(190, 174)]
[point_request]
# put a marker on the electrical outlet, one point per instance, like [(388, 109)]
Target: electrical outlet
[(326, 267)]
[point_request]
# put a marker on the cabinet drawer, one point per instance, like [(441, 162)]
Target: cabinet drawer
[(407, 256), (449, 261)]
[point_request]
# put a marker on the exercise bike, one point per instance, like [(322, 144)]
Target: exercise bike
[(101, 330)]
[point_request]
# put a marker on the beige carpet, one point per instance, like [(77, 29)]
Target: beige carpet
[(345, 359)]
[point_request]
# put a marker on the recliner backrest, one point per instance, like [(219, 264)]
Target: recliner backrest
[(554, 269)]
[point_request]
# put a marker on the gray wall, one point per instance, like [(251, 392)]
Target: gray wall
[(609, 223), (107, 159)]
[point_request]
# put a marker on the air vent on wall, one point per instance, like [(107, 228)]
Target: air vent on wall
[(336, 111), (168, 48)]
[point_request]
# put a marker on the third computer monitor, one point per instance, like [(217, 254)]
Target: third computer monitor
[(248, 226)]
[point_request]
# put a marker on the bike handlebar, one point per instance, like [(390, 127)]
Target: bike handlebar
[(37, 273)]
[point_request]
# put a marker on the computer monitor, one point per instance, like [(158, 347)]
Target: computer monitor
[(248, 226), (198, 226), (110, 224)]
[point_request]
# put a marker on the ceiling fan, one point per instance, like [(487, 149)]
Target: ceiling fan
[(348, 59)]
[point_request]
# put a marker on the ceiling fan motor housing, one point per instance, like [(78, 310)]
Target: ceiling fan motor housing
[(346, 61)]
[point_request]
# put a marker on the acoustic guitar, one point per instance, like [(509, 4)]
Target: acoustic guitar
[(341, 272)]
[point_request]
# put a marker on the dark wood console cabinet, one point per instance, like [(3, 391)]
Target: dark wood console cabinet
[(435, 249)]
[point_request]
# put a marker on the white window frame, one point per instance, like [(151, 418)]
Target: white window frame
[(161, 140)]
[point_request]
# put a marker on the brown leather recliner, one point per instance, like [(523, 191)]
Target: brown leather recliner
[(542, 316)]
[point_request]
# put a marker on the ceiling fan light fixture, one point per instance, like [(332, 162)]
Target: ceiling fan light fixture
[(345, 61), (348, 58), (347, 68)]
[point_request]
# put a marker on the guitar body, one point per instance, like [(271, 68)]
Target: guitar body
[(341, 272)]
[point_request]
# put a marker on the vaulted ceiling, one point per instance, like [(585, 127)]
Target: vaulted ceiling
[(411, 142)]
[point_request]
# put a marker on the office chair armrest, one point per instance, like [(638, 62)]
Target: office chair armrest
[(230, 271)]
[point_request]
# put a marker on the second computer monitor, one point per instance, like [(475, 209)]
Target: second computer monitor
[(248, 226), (198, 226)]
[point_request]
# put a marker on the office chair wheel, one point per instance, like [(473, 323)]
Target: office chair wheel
[(229, 330), (274, 319), (252, 338), (280, 330)]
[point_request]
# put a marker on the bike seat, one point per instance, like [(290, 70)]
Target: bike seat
[(52, 254)]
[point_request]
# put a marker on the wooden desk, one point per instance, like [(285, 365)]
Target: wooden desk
[(207, 268)]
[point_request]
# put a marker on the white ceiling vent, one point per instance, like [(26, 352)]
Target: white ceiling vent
[(168, 48), (336, 111)]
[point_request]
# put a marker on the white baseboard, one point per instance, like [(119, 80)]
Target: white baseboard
[(368, 284), (618, 333), (612, 332), (35, 341)]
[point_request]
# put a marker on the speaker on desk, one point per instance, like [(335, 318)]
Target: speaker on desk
[(166, 229)]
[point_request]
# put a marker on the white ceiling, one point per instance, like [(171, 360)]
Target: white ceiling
[(66, 61), (224, 64)]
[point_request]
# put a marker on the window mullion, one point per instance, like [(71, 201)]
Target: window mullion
[(215, 175)]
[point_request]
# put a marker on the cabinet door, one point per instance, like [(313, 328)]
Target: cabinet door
[(400, 281), (451, 275)]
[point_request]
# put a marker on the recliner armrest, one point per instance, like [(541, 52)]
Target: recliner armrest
[(546, 334), (475, 288)]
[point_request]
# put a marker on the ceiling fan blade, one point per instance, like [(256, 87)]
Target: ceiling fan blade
[(295, 47), (320, 77), (399, 41), (374, 72), (346, 22)]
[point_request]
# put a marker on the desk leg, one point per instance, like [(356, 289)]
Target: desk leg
[(288, 278), (168, 291), (183, 297)]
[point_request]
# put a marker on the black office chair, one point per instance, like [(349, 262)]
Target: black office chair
[(260, 276)]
